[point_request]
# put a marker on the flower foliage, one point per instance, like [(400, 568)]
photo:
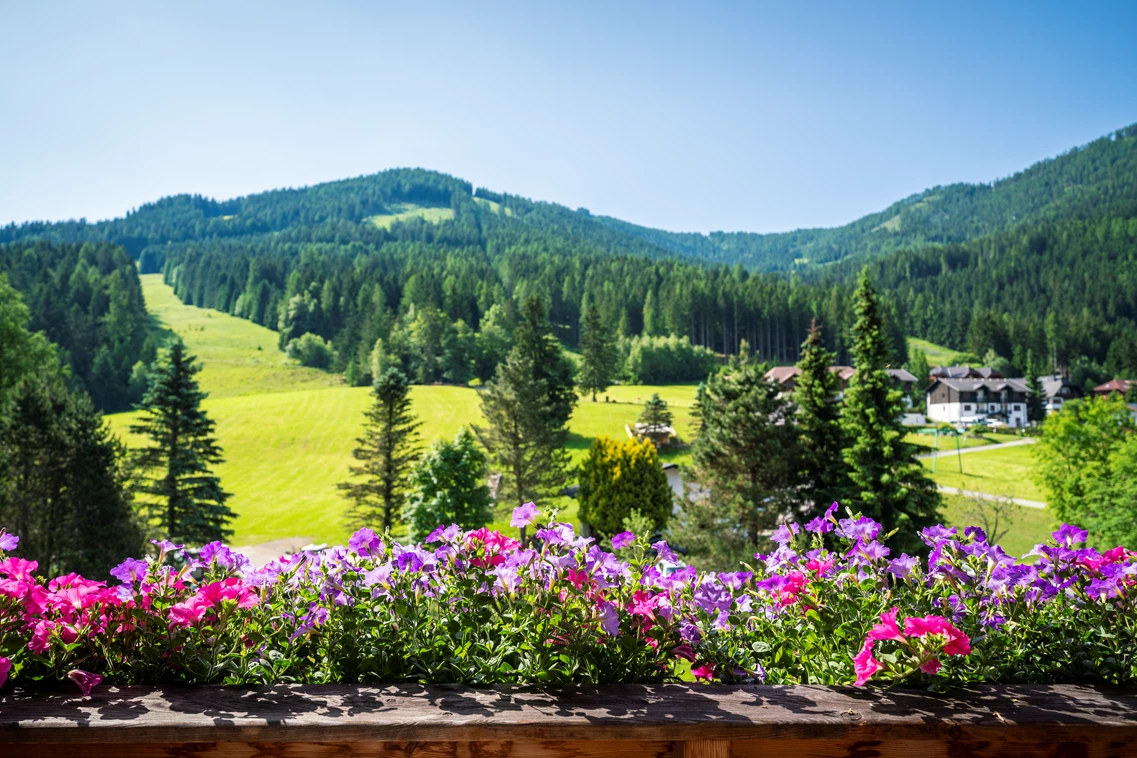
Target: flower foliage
[(830, 605)]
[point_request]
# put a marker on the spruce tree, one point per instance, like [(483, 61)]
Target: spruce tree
[(448, 486), (550, 368), (187, 503), (655, 412), (598, 353), (524, 444), (889, 484), (1036, 397), (823, 473), (386, 453)]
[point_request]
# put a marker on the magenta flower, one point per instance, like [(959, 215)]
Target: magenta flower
[(8, 543), (955, 641), (525, 515), (623, 539), (887, 629), (864, 665), (931, 666), (5, 667), (85, 680), (705, 671)]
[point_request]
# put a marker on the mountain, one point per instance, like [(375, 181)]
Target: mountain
[(1036, 268)]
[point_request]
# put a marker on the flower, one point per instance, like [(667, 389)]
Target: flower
[(704, 671), (85, 680), (623, 539), (902, 567), (8, 543), (955, 641), (864, 665), (130, 570), (524, 515), (930, 666), (366, 542), (5, 667), (784, 534), (609, 618), (887, 628), (664, 552), (1068, 536)]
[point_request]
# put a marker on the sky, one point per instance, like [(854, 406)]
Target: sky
[(689, 117)]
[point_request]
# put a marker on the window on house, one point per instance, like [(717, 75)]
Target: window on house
[(967, 408)]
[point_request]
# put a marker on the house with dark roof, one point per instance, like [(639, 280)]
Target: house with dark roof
[(787, 377), (972, 401), (1058, 390), (964, 372)]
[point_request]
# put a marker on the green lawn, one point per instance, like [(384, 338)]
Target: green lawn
[(1000, 471), (938, 355), (947, 443), (1029, 526), (288, 431)]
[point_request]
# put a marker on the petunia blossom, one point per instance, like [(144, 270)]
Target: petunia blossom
[(524, 515), (85, 680), (865, 665)]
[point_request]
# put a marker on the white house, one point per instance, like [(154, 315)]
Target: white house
[(971, 401), (1057, 391)]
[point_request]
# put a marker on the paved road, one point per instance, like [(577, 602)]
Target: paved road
[(988, 496), (949, 449)]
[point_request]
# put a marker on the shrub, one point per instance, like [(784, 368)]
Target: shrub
[(312, 350), (660, 360), (619, 477), (448, 486), (477, 607)]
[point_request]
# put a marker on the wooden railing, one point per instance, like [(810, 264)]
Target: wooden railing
[(611, 722)]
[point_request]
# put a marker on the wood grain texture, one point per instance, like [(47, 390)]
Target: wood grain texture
[(984, 720), (706, 749)]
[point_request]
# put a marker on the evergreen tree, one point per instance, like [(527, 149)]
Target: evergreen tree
[(1131, 392), (655, 412), (188, 504), (823, 473), (889, 484), (618, 478), (21, 352), (745, 464), (551, 369), (448, 486), (1036, 397), (524, 445), (386, 452), (598, 354)]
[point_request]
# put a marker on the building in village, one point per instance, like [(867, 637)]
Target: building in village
[(1058, 390), (1001, 402)]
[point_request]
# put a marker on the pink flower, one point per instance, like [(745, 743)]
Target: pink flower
[(5, 667), (955, 641), (188, 613), (684, 651), (864, 665), (930, 666), (85, 680), (40, 636), (18, 568), (705, 671), (643, 604), (887, 628), (577, 577)]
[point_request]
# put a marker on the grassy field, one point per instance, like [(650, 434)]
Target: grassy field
[(1029, 526), (947, 444), (1000, 471), (288, 431), (407, 211), (938, 355)]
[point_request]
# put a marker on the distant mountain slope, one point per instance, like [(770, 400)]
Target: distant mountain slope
[(1077, 184)]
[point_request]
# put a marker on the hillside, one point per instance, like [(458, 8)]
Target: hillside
[(287, 432)]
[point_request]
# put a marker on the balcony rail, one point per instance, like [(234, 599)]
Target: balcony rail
[(610, 721)]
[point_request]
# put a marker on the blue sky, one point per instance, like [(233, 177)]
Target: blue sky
[(697, 116)]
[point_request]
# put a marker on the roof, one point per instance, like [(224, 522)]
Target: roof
[(1114, 385), (1052, 384), (780, 374), (901, 375), (845, 373), (992, 385), (964, 372)]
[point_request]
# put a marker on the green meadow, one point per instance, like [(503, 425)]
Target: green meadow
[(288, 431)]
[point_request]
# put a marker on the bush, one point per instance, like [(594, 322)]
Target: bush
[(661, 360), (567, 611), (312, 350), (619, 477), (448, 486)]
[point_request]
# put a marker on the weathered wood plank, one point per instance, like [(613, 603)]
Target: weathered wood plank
[(706, 749), (545, 749), (987, 714)]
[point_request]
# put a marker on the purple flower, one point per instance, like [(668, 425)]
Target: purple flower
[(664, 552), (711, 597), (1068, 535), (623, 539), (525, 515), (85, 680), (8, 542), (609, 619), (130, 570), (785, 533), (823, 524), (378, 575), (868, 551), (366, 542), (938, 533), (689, 631), (556, 534), (863, 529), (902, 567), (165, 546)]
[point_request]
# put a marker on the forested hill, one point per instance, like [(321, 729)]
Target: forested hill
[(1081, 183)]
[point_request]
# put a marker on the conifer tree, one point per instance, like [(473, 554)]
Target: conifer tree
[(524, 444), (655, 412), (387, 451), (598, 353), (1036, 397), (823, 473), (187, 502), (550, 368), (889, 484), (448, 486)]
